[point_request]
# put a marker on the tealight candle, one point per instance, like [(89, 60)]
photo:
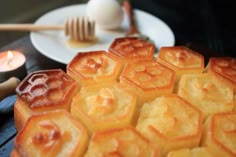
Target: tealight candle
[(12, 64)]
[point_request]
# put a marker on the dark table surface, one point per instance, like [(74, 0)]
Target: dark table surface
[(203, 25)]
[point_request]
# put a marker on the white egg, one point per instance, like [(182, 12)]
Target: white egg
[(107, 14)]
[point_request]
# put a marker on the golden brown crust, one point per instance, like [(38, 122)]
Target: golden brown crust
[(147, 79), (224, 67), (220, 133), (43, 91), (51, 134), (96, 66), (181, 58), (46, 89), (132, 49)]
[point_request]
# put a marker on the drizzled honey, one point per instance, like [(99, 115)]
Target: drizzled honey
[(81, 44)]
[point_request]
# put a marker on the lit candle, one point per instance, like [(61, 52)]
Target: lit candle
[(12, 64)]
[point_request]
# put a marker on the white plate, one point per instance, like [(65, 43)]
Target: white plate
[(53, 44)]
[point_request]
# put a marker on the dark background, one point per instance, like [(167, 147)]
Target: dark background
[(204, 25)]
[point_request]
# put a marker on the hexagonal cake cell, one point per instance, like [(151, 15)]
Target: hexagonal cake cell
[(46, 134), (125, 142), (147, 79), (182, 60), (94, 67), (224, 67), (219, 134), (170, 122), (132, 49), (43, 91), (101, 108), (209, 93)]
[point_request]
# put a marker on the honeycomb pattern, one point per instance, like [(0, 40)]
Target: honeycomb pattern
[(219, 134), (148, 75), (225, 67), (132, 48), (93, 67), (47, 135), (45, 88), (181, 57), (103, 110), (147, 79)]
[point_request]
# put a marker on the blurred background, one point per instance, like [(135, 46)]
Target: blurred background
[(203, 24), (26, 11)]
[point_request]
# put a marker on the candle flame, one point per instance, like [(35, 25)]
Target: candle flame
[(9, 55)]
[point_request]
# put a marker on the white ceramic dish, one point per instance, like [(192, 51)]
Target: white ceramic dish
[(54, 44)]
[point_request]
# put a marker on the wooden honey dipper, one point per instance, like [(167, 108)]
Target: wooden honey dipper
[(78, 28)]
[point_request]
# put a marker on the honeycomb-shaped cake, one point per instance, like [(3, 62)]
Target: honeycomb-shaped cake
[(170, 122), (219, 134), (181, 59), (132, 49), (127, 102), (101, 108), (55, 133), (43, 91), (122, 142), (207, 92), (147, 79), (94, 67), (224, 67)]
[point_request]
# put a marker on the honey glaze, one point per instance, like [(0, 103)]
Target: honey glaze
[(81, 44)]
